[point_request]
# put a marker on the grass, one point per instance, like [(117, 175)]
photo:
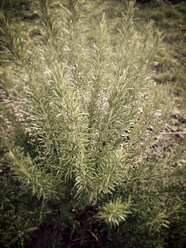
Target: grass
[(171, 20)]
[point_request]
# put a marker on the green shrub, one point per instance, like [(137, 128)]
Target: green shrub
[(80, 112)]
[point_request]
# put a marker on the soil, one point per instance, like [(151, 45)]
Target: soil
[(171, 137)]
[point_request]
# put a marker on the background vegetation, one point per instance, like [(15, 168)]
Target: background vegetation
[(82, 108)]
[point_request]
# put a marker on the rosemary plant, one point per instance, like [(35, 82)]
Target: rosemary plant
[(79, 113)]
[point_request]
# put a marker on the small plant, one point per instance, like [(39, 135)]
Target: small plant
[(81, 110)]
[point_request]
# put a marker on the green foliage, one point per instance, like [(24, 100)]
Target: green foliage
[(114, 212), (81, 111)]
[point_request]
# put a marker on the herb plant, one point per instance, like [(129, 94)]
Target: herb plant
[(79, 114)]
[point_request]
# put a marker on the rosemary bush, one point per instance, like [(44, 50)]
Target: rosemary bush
[(79, 113)]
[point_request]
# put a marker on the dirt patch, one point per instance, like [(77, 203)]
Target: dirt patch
[(171, 137)]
